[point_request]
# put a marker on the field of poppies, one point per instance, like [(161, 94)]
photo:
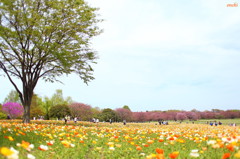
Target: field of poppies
[(55, 140)]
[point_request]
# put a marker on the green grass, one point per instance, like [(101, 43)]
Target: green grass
[(223, 121)]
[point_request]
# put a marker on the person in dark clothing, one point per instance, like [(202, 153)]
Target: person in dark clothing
[(65, 120)]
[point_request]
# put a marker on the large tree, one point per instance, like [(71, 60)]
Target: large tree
[(59, 111), (108, 114), (124, 114), (44, 39), (81, 110)]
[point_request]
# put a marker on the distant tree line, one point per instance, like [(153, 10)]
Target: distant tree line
[(58, 107), (178, 115)]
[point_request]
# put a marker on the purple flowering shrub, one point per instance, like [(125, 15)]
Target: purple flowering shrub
[(14, 110)]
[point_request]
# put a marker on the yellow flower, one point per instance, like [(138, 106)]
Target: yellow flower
[(110, 143), (9, 153), (10, 138), (98, 148), (118, 145), (66, 143), (181, 140), (151, 156), (237, 155), (6, 151), (26, 145)]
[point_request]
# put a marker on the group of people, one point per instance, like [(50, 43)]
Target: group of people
[(162, 122), (95, 120), (233, 124), (215, 123), (68, 118), (110, 121)]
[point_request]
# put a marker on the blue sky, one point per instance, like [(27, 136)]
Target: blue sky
[(160, 55)]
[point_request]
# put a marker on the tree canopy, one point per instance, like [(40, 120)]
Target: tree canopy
[(60, 111), (81, 110), (44, 39), (13, 110), (108, 114)]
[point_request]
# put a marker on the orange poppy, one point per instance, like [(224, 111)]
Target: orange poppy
[(160, 156), (138, 148), (230, 147), (174, 154), (226, 155), (159, 151)]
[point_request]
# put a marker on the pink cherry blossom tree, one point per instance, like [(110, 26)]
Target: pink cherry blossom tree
[(81, 110), (124, 114), (12, 109), (181, 116)]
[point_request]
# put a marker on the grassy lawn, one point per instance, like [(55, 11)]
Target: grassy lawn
[(224, 121)]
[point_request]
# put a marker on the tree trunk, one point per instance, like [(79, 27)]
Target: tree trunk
[(27, 93), (26, 115)]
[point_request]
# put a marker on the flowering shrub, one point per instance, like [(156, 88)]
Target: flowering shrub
[(14, 110)]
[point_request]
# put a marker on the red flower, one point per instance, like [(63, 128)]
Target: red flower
[(226, 155), (230, 147)]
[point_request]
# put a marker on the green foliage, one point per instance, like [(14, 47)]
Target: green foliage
[(108, 114), (47, 104), (56, 99), (126, 107), (2, 115), (59, 111), (37, 111), (1, 108), (34, 102), (54, 34), (13, 96), (96, 112), (45, 39)]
